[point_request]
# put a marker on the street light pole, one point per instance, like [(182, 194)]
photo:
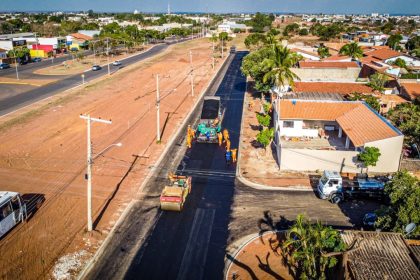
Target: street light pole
[(157, 109), (89, 120), (192, 75), (16, 63)]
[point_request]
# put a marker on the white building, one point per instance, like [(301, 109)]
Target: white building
[(328, 135)]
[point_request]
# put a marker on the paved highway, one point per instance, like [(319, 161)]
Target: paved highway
[(10, 102), (26, 71), (15, 102), (152, 244)]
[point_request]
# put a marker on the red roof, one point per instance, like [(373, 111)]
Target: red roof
[(383, 54), (412, 89), (331, 87), (79, 36), (328, 64), (356, 119)]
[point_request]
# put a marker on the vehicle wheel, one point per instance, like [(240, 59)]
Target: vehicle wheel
[(336, 199)]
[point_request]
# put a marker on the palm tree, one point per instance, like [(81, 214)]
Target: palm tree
[(278, 67), (353, 50), (323, 51), (307, 248)]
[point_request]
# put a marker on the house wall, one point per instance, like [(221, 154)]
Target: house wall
[(390, 150), (311, 160), (327, 74), (342, 161), (297, 130)]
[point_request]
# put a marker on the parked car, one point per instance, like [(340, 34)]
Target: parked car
[(4, 65), (116, 63), (96, 67), (36, 59), (369, 220)]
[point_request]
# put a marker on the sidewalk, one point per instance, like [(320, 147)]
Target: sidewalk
[(258, 168)]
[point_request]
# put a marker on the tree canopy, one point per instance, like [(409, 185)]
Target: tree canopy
[(260, 22), (369, 156), (371, 100), (406, 117), (377, 81), (404, 194), (306, 246), (394, 40), (265, 137), (352, 49), (323, 51)]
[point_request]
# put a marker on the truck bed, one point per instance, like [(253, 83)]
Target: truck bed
[(210, 109)]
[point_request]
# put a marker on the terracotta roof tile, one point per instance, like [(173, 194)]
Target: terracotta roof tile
[(81, 36), (412, 89), (329, 64), (380, 255), (331, 87), (356, 119), (383, 54)]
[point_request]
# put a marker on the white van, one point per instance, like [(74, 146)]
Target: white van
[(12, 211)]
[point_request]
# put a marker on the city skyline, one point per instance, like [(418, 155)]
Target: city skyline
[(219, 6)]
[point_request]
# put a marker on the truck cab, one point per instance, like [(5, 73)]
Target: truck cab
[(330, 186), (12, 211)]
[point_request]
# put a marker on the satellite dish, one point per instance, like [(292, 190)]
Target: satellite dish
[(410, 228)]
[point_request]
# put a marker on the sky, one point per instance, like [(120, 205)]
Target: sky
[(219, 6)]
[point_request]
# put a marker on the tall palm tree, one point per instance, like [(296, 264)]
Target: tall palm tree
[(277, 68), (353, 50)]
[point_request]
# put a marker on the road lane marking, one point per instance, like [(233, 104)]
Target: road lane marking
[(195, 255)]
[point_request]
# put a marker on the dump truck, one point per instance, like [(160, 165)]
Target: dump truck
[(331, 186), (210, 120), (173, 197)]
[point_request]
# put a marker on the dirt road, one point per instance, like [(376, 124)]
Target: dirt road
[(44, 156)]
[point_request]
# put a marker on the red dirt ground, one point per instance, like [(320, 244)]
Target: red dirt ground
[(259, 259), (45, 154)]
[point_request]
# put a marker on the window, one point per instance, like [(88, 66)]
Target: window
[(289, 124), (5, 210)]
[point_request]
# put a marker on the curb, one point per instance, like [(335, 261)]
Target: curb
[(248, 182), (85, 271), (19, 83)]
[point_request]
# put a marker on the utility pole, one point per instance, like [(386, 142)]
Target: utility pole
[(89, 120), (192, 74), (222, 48), (157, 109), (213, 64), (16, 64), (107, 55)]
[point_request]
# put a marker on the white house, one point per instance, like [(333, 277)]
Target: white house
[(315, 135)]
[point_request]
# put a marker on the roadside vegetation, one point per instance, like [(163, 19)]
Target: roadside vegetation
[(403, 208)]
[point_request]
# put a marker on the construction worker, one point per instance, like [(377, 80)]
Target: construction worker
[(250, 105), (234, 151), (225, 135), (228, 145), (228, 156), (215, 122), (189, 140), (220, 138), (191, 131)]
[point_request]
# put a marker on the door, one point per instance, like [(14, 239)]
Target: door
[(17, 209), (7, 218)]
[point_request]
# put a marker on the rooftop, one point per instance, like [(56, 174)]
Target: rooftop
[(379, 256), (412, 89), (331, 87), (358, 121), (383, 53)]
